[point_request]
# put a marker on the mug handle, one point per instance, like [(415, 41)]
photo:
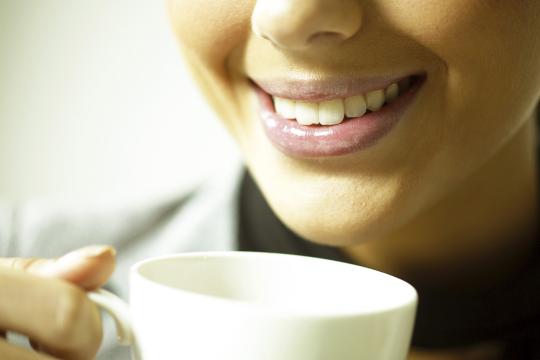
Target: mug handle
[(118, 309)]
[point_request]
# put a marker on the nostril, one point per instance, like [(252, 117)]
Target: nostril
[(295, 24), (326, 35)]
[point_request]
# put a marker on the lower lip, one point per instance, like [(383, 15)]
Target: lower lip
[(351, 135)]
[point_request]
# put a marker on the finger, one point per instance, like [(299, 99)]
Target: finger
[(88, 267), (12, 352), (54, 313)]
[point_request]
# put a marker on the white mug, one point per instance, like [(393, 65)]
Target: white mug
[(236, 305)]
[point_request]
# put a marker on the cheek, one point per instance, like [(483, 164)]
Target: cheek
[(486, 42), (490, 54), (211, 28), (208, 31)]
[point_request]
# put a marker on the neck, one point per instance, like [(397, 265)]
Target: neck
[(489, 222)]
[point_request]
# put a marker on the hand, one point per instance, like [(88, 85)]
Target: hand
[(45, 300)]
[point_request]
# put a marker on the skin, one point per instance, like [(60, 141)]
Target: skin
[(450, 187), (66, 324)]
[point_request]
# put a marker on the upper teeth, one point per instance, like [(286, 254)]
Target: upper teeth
[(333, 112)]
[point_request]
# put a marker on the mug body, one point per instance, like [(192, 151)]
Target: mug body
[(245, 305)]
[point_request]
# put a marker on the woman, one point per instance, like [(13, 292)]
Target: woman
[(397, 135)]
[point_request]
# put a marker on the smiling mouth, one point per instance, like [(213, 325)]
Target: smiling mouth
[(328, 118), (333, 109)]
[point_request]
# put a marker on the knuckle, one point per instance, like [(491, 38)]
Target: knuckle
[(77, 324), (70, 310)]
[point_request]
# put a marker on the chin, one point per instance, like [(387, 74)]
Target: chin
[(337, 218), (341, 232)]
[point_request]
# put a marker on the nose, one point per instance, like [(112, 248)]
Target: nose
[(297, 24)]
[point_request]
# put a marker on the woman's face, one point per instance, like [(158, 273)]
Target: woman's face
[(359, 180)]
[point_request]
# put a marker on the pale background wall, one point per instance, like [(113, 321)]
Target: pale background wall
[(95, 102)]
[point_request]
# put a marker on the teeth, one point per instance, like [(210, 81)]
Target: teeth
[(391, 92), (307, 113), (355, 106), (375, 100), (331, 112), (285, 107)]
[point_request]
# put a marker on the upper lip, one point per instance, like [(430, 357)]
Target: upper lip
[(316, 90)]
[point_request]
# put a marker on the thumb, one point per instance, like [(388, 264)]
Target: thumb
[(88, 267)]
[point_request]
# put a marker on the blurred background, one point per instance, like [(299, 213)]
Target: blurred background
[(95, 103)]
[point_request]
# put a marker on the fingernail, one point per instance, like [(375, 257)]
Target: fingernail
[(93, 251), (85, 253)]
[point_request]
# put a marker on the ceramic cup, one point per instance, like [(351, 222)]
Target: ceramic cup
[(235, 305)]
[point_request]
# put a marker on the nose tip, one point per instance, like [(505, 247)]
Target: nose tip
[(297, 24)]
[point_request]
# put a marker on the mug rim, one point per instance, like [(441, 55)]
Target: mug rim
[(409, 299)]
